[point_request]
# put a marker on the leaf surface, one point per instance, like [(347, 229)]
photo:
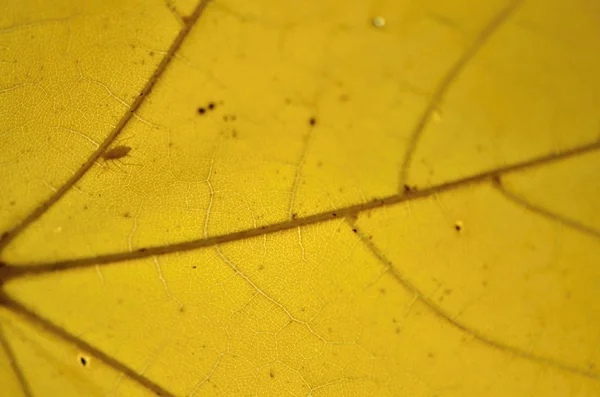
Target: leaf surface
[(259, 198)]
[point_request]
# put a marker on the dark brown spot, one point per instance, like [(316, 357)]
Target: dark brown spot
[(294, 215), (312, 121), (201, 110), (271, 374), (354, 230), (193, 267), (143, 250), (211, 106), (457, 227), (83, 361)]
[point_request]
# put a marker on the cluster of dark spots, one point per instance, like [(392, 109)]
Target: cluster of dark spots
[(294, 215), (209, 107), (229, 117)]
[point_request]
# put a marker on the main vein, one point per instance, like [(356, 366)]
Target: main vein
[(14, 271)]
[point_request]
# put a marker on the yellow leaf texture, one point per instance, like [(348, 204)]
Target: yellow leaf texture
[(300, 198)]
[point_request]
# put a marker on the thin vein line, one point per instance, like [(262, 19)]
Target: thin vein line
[(15, 365), (57, 331), (443, 315), (39, 211), (8, 272), (484, 36), (543, 211)]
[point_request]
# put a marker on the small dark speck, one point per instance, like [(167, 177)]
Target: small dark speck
[(355, 231), (334, 214), (294, 215), (271, 374), (143, 250), (193, 267), (457, 227), (201, 110), (211, 105), (126, 215), (83, 361), (312, 121)]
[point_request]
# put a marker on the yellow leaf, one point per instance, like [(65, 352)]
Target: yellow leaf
[(324, 198)]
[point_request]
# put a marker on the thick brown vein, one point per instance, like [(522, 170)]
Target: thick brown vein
[(441, 90), (8, 236), (12, 358), (543, 211), (67, 337), (8, 272), (439, 312)]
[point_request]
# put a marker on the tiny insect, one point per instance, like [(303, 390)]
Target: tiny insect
[(116, 153)]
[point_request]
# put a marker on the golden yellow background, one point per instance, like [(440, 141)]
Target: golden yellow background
[(410, 209)]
